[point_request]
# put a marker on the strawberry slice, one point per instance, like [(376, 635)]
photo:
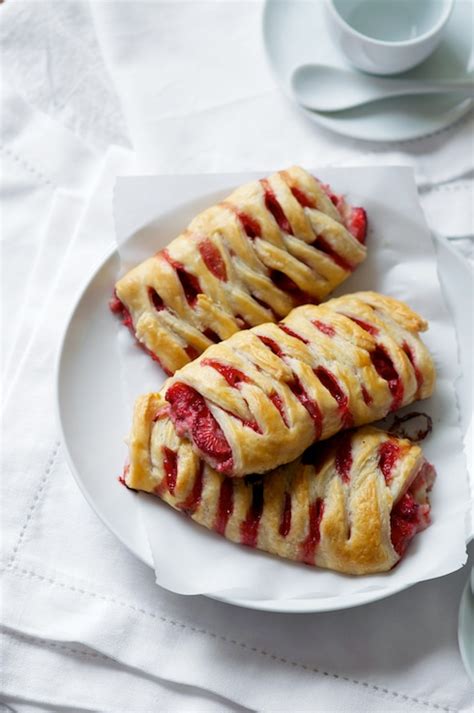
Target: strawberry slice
[(357, 224), (193, 419), (208, 436)]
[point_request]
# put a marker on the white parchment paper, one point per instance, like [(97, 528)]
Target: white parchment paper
[(149, 212)]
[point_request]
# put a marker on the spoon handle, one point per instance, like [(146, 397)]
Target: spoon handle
[(422, 87)]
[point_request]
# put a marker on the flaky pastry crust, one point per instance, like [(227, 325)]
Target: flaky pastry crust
[(271, 245), (260, 398), (350, 504)]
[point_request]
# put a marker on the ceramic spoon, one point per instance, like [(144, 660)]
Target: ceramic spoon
[(323, 88)]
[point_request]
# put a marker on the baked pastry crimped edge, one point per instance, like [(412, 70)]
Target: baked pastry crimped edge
[(260, 398), (351, 504), (271, 245)]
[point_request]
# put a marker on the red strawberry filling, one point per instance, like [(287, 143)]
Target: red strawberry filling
[(117, 307), (191, 351), (330, 383), (233, 376), (250, 225), (296, 387), (210, 334), (303, 199), (335, 200), (273, 205), (213, 259), (122, 479), (308, 547), (365, 325), (411, 358), (286, 284), (191, 503), (249, 527), (225, 506), (285, 522), (272, 345), (411, 513), (243, 324), (155, 299), (368, 400), (170, 464), (389, 453), (277, 402), (326, 329), (357, 224), (323, 246), (355, 219), (192, 418), (343, 460), (291, 333), (366, 396), (189, 282), (384, 367)]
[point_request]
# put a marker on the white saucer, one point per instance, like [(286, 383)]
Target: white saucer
[(466, 627), (295, 33)]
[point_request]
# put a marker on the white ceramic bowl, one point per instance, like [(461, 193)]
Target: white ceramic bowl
[(395, 38)]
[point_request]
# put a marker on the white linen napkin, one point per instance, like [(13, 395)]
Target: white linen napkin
[(110, 686), (31, 174), (198, 96), (50, 53)]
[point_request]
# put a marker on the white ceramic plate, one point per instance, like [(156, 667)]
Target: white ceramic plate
[(295, 33), (93, 420)]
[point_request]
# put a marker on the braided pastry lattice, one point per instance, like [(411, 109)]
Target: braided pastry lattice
[(260, 398), (271, 245), (350, 504)]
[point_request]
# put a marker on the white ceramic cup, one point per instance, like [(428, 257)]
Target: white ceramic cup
[(387, 36)]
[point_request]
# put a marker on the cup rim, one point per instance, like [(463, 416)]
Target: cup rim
[(449, 4)]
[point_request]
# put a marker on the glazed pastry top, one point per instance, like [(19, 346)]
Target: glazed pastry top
[(350, 504), (259, 399), (270, 246)]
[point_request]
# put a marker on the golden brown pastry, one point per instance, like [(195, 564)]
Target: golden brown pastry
[(351, 504), (271, 245), (260, 398)]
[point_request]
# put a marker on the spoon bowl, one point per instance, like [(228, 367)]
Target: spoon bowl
[(330, 89)]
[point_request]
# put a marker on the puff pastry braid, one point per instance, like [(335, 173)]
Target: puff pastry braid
[(351, 504), (270, 246), (260, 398)]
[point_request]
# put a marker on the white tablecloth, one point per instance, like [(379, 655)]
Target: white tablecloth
[(85, 627)]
